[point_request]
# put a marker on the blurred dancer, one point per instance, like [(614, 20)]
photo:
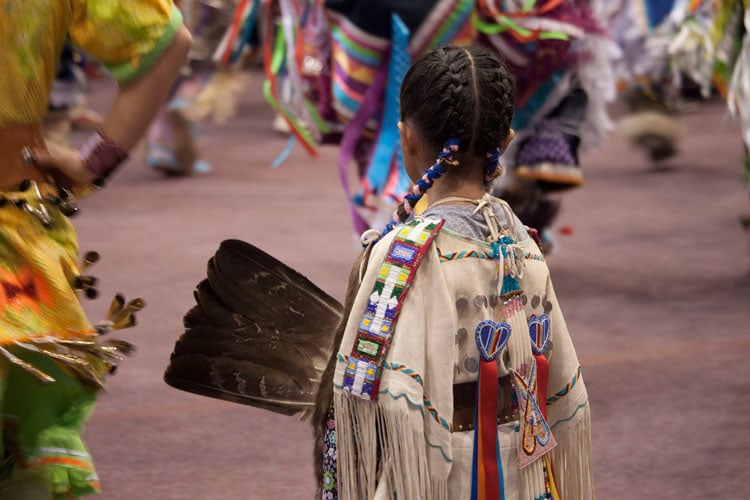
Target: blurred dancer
[(171, 145), (707, 42), (640, 28), (557, 50), (222, 30), (725, 28), (562, 58), (52, 359)]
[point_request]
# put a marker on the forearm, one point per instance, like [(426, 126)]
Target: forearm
[(131, 113), (136, 104)]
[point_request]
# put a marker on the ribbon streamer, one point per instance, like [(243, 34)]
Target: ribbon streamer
[(539, 330), (237, 36), (353, 133), (275, 53), (389, 144), (487, 469)]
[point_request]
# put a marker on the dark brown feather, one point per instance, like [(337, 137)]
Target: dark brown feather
[(260, 333)]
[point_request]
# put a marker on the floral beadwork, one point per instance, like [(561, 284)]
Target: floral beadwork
[(329, 490), (365, 364)]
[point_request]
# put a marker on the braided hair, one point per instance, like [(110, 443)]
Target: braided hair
[(456, 98)]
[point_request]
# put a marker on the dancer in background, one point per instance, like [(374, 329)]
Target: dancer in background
[(225, 37), (558, 49), (669, 46), (52, 359), (707, 44), (641, 28), (712, 46), (563, 59), (171, 142)]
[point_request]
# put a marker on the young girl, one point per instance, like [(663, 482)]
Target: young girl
[(453, 374)]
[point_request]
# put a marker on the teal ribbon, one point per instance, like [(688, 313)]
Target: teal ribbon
[(389, 143)]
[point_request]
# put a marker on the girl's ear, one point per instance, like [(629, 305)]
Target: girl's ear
[(409, 143), (410, 150), (508, 138)]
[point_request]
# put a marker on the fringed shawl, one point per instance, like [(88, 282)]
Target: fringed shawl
[(401, 445)]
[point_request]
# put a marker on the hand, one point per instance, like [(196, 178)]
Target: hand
[(65, 166)]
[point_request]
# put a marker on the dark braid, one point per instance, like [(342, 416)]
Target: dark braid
[(497, 100), (457, 95), (501, 102)]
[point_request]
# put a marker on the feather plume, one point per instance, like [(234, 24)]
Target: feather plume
[(219, 96), (260, 334)]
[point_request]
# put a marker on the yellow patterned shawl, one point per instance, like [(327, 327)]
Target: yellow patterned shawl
[(127, 36), (37, 268)]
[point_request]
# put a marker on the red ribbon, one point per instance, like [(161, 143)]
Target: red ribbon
[(542, 377), (488, 480)]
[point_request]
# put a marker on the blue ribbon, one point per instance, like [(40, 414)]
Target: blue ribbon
[(284, 154), (389, 142)]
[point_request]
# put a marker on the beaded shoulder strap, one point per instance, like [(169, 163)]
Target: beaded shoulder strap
[(365, 364)]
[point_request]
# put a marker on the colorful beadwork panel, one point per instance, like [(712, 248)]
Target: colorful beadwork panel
[(365, 365)]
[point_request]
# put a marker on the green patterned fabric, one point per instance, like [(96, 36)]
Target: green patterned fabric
[(42, 425)]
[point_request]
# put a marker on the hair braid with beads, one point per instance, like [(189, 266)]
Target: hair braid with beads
[(456, 97)]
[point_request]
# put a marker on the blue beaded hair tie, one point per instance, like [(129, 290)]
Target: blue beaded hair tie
[(444, 161)]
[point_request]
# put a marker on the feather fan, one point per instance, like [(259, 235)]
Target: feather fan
[(260, 334)]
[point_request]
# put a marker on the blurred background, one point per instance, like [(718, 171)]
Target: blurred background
[(628, 159)]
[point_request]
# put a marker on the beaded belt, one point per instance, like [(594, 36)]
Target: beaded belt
[(464, 400), (36, 198)]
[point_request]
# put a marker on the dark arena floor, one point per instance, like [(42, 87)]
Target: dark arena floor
[(651, 270)]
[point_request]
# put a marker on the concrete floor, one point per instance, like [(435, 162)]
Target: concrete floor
[(652, 277)]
